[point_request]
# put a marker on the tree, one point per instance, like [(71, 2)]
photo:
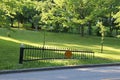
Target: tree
[(102, 31), (67, 13), (9, 9), (117, 21), (117, 16), (106, 9), (60, 15)]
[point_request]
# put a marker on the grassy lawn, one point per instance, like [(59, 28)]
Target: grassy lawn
[(9, 48)]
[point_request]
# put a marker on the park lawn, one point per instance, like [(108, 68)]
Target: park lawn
[(9, 48)]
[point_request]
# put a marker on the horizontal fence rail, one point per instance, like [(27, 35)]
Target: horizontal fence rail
[(39, 53)]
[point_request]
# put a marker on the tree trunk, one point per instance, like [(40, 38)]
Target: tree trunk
[(36, 27), (11, 22), (18, 24), (79, 30), (82, 30), (111, 30), (117, 32), (33, 27), (89, 29)]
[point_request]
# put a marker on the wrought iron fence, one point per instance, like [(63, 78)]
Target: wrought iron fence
[(39, 53)]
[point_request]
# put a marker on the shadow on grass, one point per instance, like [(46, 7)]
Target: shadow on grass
[(56, 63)]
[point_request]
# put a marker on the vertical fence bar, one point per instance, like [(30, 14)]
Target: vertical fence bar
[(93, 55), (86, 55), (58, 54), (21, 54)]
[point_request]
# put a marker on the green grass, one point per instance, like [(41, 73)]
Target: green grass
[(9, 48)]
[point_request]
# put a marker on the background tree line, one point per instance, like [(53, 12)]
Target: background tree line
[(70, 16)]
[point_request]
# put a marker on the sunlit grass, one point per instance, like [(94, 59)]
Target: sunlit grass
[(112, 49), (9, 48), (18, 41)]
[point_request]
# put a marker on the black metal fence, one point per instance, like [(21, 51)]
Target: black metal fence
[(39, 53)]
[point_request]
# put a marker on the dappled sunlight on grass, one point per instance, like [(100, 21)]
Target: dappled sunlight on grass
[(110, 53), (18, 41), (112, 49), (63, 45), (108, 56), (109, 49), (10, 39), (74, 46)]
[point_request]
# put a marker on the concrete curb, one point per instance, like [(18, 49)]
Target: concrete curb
[(58, 68)]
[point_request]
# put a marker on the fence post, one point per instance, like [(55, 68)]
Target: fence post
[(21, 54)]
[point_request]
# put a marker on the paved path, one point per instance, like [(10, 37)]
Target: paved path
[(98, 73)]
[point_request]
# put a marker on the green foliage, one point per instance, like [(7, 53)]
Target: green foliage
[(102, 29), (117, 16), (60, 14)]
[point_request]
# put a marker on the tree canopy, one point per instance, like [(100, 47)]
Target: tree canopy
[(60, 15)]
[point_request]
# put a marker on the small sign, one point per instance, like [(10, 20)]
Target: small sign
[(68, 54)]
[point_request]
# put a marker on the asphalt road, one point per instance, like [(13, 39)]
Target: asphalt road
[(98, 73)]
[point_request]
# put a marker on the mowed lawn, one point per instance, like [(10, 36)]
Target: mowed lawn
[(9, 48)]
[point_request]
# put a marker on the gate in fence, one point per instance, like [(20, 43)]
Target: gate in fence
[(38, 53)]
